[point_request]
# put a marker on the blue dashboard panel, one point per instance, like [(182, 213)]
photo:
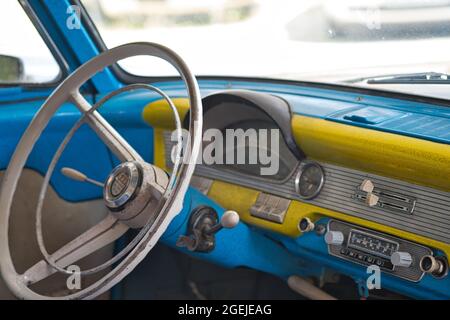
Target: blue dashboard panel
[(379, 113), (316, 101), (371, 115), (422, 126), (312, 247), (244, 245), (415, 124), (404, 117)]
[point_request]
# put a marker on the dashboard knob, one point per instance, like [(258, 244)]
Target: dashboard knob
[(334, 237), (401, 259), (230, 219), (437, 266), (306, 225)]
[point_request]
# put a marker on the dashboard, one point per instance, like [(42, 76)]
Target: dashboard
[(360, 178)]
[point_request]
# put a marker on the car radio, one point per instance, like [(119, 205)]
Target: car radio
[(366, 247)]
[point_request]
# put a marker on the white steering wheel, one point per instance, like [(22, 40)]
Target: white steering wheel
[(137, 194)]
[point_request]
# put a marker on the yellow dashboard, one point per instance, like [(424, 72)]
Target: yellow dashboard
[(416, 161)]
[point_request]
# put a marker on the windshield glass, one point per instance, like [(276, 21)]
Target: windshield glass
[(332, 41)]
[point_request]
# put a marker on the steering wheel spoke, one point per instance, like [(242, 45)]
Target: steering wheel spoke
[(105, 232), (138, 194), (112, 139)]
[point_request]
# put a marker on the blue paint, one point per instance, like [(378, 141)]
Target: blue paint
[(75, 44), (242, 246), (86, 152), (245, 245), (371, 115), (404, 117), (312, 247), (305, 256), (11, 95)]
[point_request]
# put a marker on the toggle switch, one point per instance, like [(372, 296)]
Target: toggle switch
[(229, 220), (367, 186), (371, 199), (203, 225)]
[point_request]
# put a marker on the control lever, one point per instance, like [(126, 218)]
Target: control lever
[(79, 176), (202, 227), (229, 220), (368, 187)]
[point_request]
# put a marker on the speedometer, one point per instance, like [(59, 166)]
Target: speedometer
[(309, 180)]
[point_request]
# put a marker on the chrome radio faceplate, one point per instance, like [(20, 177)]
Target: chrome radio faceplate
[(367, 247)]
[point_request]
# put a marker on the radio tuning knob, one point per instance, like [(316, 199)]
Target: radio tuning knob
[(334, 237), (401, 259)]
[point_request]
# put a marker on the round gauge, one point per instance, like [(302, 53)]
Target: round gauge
[(309, 180)]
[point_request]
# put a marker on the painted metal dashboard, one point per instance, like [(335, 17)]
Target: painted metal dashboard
[(363, 149), (397, 142), (351, 138), (430, 217)]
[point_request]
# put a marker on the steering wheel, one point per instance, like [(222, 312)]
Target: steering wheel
[(137, 194)]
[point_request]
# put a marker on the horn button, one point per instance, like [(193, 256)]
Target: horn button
[(132, 192), (122, 184)]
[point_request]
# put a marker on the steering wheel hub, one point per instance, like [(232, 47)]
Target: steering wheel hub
[(122, 185), (133, 191)]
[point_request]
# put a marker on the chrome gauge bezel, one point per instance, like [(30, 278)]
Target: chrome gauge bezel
[(303, 167)]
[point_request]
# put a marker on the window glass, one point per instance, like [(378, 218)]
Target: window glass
[(325, 40), (24, 56)]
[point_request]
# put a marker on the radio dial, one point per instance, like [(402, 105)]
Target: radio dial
[(401, 259), (334, 238)]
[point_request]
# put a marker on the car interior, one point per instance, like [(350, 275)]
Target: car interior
[(232, 149)]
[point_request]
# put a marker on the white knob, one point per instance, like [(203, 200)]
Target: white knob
[(401, 259), (73, 174), (79, 176), (334, 237), (229, 219)]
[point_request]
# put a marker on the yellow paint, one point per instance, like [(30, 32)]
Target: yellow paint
[(159, 148), (414, 160), (240, 199), (417, 161), (158, 113)]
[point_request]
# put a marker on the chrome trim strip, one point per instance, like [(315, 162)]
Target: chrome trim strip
[(431, 216)]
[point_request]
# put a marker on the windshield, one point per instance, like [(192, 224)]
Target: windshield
[(330, 41)]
